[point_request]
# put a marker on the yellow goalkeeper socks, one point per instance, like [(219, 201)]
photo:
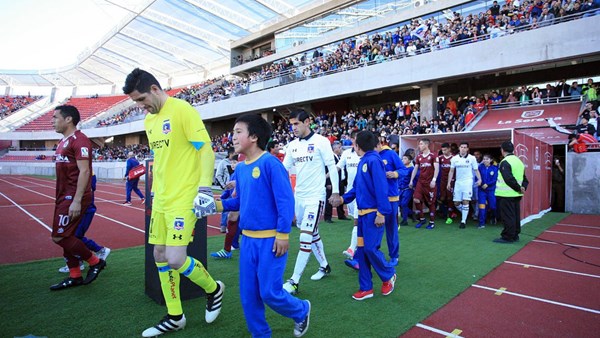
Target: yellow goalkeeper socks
[(169, 283), (195, 271)]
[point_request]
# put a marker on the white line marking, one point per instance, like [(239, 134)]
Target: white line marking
[(119, 222), (571, 233), (553, 269), (569, 244), (95, 196), (578, 226), (433, 329), (27, 212), (28, 205), (538, 299), (46, 181), (39, 193)]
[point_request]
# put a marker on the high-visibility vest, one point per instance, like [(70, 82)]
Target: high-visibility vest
[(518, 171)]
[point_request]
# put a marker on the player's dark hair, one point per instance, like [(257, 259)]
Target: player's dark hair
[(507, 146), (410, 158), (270, 145), (258, 127), (67, 110), (139, 80), (465, 143), (445, 145), (301, 115), (366, 140), (230, 151), (488, 156), (425, 140), (353, 133)]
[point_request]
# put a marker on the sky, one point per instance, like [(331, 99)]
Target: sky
[(48, 34)]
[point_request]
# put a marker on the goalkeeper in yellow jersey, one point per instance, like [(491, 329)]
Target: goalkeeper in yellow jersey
[(183, 169)]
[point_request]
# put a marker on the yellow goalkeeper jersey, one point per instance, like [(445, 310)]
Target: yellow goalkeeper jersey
[(183, 157)]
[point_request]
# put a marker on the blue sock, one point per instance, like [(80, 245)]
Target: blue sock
[(90, 244)]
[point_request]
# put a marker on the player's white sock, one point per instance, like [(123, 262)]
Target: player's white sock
[(301, 262), (319, 251), (353, 240), (465, 212)]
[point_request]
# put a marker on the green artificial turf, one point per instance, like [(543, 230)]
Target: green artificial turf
[(435, 266)]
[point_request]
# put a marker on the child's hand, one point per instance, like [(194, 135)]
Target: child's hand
[(280, 247), (379, 220)]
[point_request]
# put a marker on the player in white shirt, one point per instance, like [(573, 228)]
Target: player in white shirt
[(309, 153), (349, 161), (465, 165)]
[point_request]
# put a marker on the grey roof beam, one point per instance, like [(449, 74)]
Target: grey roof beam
[(227, 14)]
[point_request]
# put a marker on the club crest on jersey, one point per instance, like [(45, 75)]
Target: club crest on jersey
[(166, 128), (179, 223), (256, 172), (364, 168), (84, 152), (311, 148), (66, 144), (384, 162), (311, 216)]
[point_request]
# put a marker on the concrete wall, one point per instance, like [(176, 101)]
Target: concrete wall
[(582, 195)]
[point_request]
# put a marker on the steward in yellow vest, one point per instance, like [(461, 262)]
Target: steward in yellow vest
[(510, 187)]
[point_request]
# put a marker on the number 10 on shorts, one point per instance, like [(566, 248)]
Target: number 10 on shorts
[(63, 220)]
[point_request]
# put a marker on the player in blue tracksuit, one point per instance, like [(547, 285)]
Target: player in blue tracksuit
[(263, 184), (392, 164), (489, 176), (373, 205), (406, 193)]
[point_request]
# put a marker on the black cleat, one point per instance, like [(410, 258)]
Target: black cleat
[(94, 272), (67, 283), (462, 225)]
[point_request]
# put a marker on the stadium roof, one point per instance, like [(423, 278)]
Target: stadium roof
[(170, 38)]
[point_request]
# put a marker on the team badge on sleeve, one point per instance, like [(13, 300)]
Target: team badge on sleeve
[(179, 223), (85, 152), (365, 167)]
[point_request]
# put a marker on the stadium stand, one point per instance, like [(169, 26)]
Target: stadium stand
[(10, 104), (88, 107)]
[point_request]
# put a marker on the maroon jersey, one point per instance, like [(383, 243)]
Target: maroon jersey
[(444, 168), (426, 167), (71, 149)]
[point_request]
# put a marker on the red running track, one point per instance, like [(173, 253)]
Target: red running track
[(539, 292), (27, 208)]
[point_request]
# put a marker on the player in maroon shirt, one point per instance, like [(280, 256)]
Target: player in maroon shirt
[(73, 194), (445, 196), (425, 191)]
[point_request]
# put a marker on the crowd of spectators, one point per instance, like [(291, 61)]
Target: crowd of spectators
[(119, 153), (10, 104), (450, 115), (421, 36), (417, 37), (124, 116)]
